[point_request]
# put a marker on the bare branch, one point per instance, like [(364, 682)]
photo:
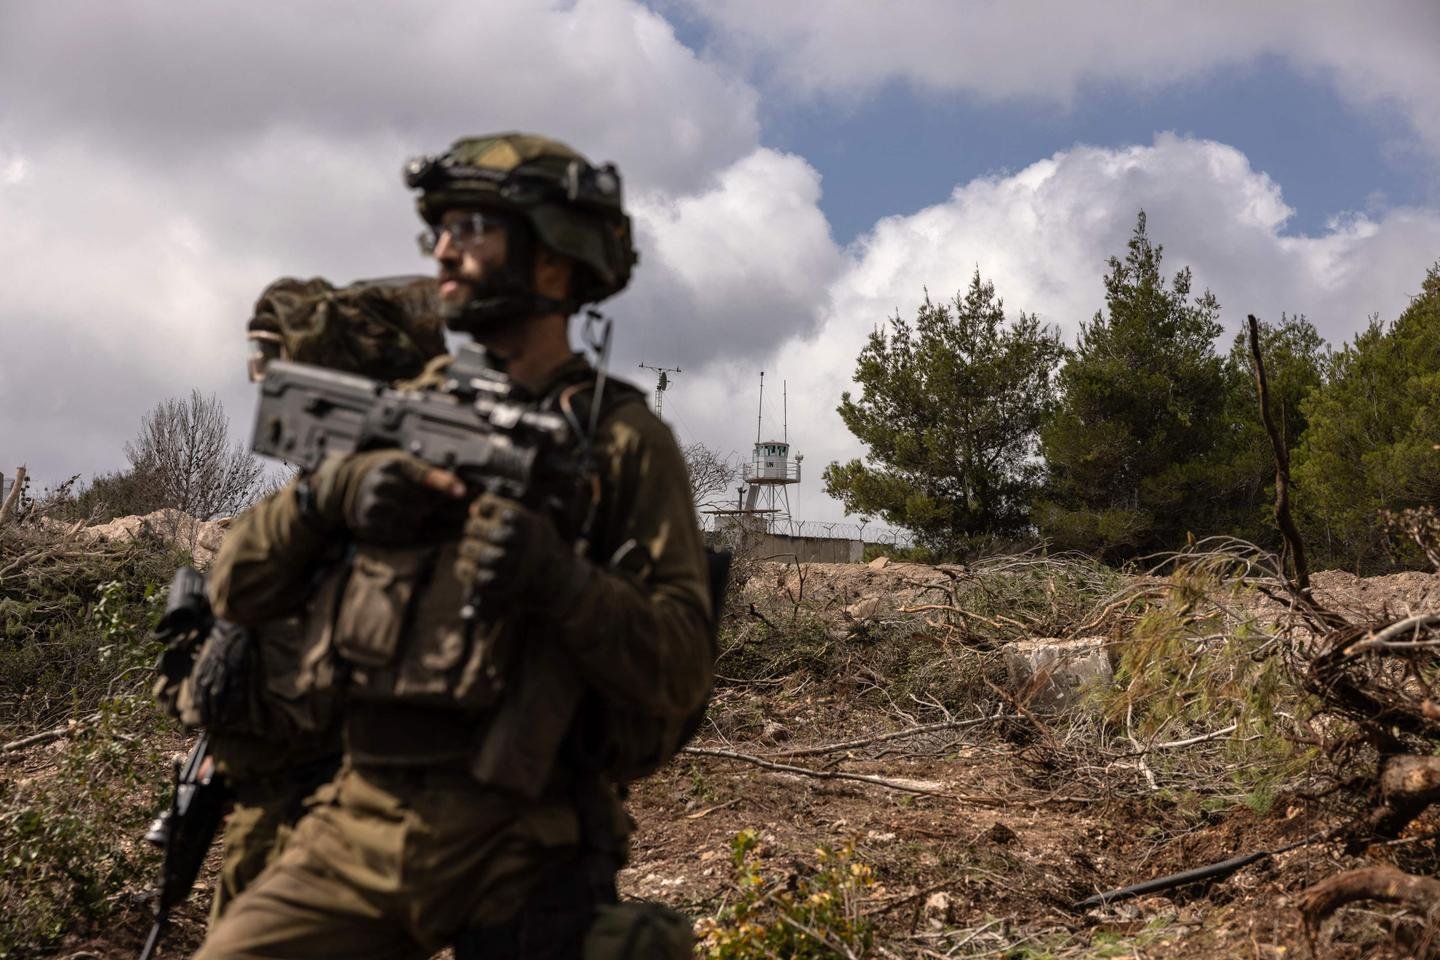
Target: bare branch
[(710, 474), (184, 445)]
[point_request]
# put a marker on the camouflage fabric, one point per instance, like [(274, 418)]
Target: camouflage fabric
[(262, 720), (576, 209), (361, 878), (385, 329)]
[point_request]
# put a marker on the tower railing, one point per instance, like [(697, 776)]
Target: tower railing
[(756, 471)]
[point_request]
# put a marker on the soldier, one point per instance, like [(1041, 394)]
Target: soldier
[(272, 744), (480, 760)]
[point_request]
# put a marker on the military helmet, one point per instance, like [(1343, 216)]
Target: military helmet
[(574, 207)]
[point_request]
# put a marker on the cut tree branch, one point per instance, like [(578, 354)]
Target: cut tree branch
[(899, 785), (1385, 884)]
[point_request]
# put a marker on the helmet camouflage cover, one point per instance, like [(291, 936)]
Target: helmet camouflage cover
[(574, 207), (385, 329)]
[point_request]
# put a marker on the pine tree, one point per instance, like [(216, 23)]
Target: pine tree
[(1130, 452), (1372, 430), (950, 410)]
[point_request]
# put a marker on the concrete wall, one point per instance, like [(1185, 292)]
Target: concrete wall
[(805, 549)]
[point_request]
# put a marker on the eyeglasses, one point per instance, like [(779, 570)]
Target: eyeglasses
[(463, 230)]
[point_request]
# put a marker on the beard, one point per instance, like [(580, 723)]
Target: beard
[(488, 310)]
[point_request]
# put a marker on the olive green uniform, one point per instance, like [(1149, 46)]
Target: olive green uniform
[(272, 746), (461, 764), (268, 800)]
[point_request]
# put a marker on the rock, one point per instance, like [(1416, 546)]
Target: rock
[(866, 608), (879, 563), (1051, 675), (1000, 835), (775, 732), (200, 537), (939, 906)]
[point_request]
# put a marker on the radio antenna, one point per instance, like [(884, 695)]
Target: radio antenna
[(662, 383)]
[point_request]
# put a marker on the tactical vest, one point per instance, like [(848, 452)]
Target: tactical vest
[(244, 687), (422, 689)]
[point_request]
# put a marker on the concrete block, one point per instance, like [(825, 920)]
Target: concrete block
[(1051, 675)]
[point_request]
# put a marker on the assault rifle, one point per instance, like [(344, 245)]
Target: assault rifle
[(476, 428), (186, 830), (185, 833)]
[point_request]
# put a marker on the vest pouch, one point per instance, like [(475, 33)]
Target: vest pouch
[(376, 602)]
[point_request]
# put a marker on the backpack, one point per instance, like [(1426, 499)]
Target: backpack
[(385, 329)]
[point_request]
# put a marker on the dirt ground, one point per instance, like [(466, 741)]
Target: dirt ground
[(980, 841), (992, 870)]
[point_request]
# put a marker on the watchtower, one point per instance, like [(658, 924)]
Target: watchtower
[(771, 472)]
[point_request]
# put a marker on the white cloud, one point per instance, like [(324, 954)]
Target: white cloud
[(160, 164), (1042, 236), (1379, 53), (180, 82), (731, 271)]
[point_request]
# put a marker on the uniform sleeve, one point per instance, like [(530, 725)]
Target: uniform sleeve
[(267, 561), (644, 640)]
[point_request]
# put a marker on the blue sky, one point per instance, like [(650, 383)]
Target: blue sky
[(797, 171), (898, 150)]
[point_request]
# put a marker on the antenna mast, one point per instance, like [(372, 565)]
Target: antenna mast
[(662, 383), (760, 410), (784, 411)]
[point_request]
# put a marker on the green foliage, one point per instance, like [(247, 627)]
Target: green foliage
[(1194, 662), (69, 843), (121, 493), (1371, 436), (950, 410), (796, 916), (76, 650), (54, 662), (1130, 450), (1294, 354)]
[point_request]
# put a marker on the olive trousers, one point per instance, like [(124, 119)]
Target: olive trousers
[(254, 836), (395, 864)]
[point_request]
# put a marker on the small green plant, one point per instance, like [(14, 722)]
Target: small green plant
[(792, 916), (68, 845)]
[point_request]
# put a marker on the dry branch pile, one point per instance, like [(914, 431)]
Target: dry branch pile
[(1380, 679)]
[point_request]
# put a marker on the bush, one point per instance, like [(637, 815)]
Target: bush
[(76, 651), (794, 916)]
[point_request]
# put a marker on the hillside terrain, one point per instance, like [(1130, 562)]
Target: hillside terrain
[(876, 777)]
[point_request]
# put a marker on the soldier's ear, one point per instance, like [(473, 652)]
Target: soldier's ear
[(554, 274)]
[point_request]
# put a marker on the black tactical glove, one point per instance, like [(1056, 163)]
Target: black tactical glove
[(221, 676), (515, 555), (384, 497)]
